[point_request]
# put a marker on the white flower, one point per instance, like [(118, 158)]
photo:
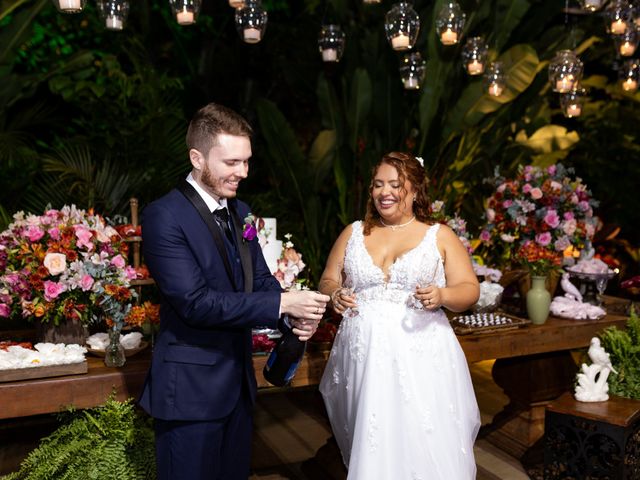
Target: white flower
[(420, 161), (56, 263)]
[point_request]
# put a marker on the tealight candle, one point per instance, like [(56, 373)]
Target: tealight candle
[(330, 55), (629, 85), (411, 83), (185, 17), (592, 5), (574, 110), (495, 89), (474, 67), (236, 3), (400, 42), (627, 49), (114, 23), (618, 27), (565, 84), (449, 37), (71, 5), (251, 35)]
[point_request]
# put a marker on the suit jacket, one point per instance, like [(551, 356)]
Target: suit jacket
[(202, 354)]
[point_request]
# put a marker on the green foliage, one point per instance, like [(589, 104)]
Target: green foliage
[(111, 442), (623, 347)]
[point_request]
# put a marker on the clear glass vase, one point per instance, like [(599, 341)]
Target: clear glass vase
[(114, 353)]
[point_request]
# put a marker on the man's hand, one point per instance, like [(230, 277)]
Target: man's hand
[(304, 304), (304, 329)]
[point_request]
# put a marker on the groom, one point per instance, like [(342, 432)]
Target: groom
[(215, 286)]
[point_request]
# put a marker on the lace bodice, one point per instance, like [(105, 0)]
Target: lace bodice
[(421, 265)]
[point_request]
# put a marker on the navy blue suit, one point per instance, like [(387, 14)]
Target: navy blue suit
[(202, 373)]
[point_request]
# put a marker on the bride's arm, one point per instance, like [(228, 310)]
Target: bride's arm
[(333, 275), (462, 288)]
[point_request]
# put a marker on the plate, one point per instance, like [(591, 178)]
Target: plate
[(128, 352)]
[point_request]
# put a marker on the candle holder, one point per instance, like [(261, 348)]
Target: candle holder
[(591, 5), (114, 13), (236, 4), (565, 71), (370, 2), (412, 70), (402, 25), (630, 75), (572, 102), (449, 23), (331, 43), (185, 11), (251, 21), (494, 79), (474, 56), (69, 6), (618, 17), (626, 43)]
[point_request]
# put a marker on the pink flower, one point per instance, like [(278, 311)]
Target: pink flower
[(130, 272), (583, 205), (536, 193), (561, 244), (569, 227), (501, 187), (543, 239), (86, 283), (574, 199), (84, 236), (491, 214), (551, 218), (507, 203), (556, 185), (33, 233), (56, 263), (4, 310), (54, 233), (568, 215), (118, 261), (551, 169), (52, 290), (485, 236), (526, 188)]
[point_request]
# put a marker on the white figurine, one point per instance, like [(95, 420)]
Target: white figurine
[(592, 381), (571, 306), (569, 288)]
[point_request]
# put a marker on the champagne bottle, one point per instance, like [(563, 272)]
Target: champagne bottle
[(284, 359)]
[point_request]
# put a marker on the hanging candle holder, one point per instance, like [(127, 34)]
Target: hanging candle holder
[(114, 13), (449, 23), (69, 6), (331, 43), (627, 43), (618, 17), (630, 75), (402, 24), (251, 21), (236, 4), (185, 11), (495, 80), (591, 5), (370, 2), (565, 71), (474, 55), (572, 102), (412, 70)]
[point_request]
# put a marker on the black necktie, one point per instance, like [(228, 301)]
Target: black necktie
[(222, 217)]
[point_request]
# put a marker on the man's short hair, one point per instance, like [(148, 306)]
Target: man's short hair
[(212, 120)]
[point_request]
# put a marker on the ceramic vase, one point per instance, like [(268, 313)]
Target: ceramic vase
[(114, 353), (538, 300)]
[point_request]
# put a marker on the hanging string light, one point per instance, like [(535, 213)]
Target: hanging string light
[(572, 102), (251, 21), (618, 17), (565, 71), (236, 3), (626, 43), (474, 55), (449, 23), (412, 70), (114, 13), (494, 79), (630, 75), (69, 6), (402, 25), (331, 43), (185, 11), (591, 5)]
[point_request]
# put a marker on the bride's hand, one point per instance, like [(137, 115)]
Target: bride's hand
[(430, 297), (343, 298)]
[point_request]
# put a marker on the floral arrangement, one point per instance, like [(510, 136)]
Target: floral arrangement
[(537, 259), (546, 206), (66, 264), (290, 265), (456, 223), (251, 227)]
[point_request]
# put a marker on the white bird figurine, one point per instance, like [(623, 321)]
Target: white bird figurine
[(569, 288), (599, 356)]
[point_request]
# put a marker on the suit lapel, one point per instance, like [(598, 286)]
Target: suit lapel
[(196, 200), (243, 248)]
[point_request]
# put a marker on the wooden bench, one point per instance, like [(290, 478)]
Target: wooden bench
[(599, 440)]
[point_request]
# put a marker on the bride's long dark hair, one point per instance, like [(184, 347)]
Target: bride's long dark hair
[(408, 169)]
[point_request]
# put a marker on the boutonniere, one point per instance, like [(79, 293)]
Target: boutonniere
[(250, 229)]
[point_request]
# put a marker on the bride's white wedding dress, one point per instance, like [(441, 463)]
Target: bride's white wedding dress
[(397, 387)]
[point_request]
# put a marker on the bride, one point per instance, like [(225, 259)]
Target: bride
[(397, 387)]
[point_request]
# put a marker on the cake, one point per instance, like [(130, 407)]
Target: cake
[(271, 246)]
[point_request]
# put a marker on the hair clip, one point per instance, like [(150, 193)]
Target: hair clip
[(420, 161)]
